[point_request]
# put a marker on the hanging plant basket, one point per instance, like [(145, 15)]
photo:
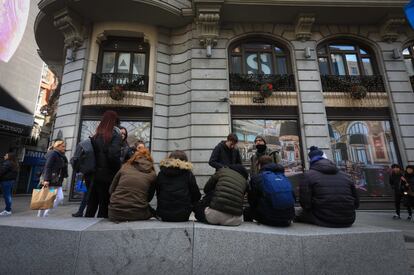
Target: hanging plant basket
[(358, 92), (117, 93), (266, 90)]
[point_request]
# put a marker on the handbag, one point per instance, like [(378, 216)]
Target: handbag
[(80, 186), (43, 198)]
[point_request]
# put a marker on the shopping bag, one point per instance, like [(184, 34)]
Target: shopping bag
[(80, 186), (43, 198)]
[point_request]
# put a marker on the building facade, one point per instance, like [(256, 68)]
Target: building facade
[(183, 74)]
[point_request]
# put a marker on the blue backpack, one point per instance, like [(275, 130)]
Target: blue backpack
[(277, 190)]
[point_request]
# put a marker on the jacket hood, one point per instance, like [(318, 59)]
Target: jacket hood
[(273, 167), (143, 165), (174, 167), (325, 166)]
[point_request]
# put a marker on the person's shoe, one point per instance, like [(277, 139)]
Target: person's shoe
[(409, 218), (396, 217), (5, 213), (77, 215)]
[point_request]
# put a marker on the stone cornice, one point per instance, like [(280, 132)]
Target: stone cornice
[(207, 20), (70, 24), (303, 28), (324, 3), (391, 27)]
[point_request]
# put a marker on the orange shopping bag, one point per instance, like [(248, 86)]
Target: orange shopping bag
[(43, 198)]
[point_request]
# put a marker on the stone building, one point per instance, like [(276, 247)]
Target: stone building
[(183, 74)]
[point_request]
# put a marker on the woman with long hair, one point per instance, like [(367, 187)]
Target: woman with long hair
[(107, 147), (133, 188), (126, 151), (55, 171), (8, 174)]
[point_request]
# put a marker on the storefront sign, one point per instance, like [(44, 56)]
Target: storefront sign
[(34, 158), (14, 128), (258, 99)]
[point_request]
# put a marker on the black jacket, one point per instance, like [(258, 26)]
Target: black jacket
[(261, 206), (56, 168), (395, 182), (223, 156), (177, 190), (226, 189), (8, 171), (107, 156), (329, 194), (409, 180)]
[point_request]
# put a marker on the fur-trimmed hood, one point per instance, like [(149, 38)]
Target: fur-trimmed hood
[(176, 163)]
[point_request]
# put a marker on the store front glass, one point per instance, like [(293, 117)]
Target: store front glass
[(365, 149)]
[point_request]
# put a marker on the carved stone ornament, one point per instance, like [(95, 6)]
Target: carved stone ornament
[(390, 28), (303, 28), (208, 27)]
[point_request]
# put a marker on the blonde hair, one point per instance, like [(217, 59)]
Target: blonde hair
[(57, 143)]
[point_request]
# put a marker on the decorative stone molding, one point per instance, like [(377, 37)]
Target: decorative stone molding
[(102, 98), (70, 24), (278, 98), (340, 99), (303, 28), (390, 28), (208, 27)]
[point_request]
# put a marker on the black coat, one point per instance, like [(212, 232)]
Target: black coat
[(224, 156), (395, 182), (329, 194), (408, 184), (8, 171), (56, 168), (177, 190), (107, 156), (262, 206)]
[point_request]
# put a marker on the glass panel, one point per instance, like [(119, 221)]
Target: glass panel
[(124, 61), (352, 64), (252, 63), (409, 64), (139, 64), (323, 65), (278, 50), (236, 66), (338, 64), (237, 50), (406, 51), (366, 63), (281, 65), (361, 51), (266, 63), (365, 150), (108, 62), (342, 48), (258, 46)]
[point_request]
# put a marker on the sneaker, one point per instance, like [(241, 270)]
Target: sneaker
[(396, 217), (5, 213), (409, 218), (77, 214)]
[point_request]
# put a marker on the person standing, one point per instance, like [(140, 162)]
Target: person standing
[(126, 151), (408, 184), (132, 189), (225, 153), (262, 150), (395, 182), (8, 174), (107, 147), (55, 171), (176, 187)]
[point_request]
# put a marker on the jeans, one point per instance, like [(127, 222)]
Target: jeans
[(7, 187)]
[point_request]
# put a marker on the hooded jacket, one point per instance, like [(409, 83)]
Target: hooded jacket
[(177, 190), (329, 194), (255, 157), (224, 156), (56, 168), (131, 191)]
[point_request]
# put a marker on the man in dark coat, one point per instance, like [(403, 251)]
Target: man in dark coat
[(225, 153), (327, 195), (395, 182), (262, 150)]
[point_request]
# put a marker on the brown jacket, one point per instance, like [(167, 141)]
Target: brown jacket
[(131, 191)]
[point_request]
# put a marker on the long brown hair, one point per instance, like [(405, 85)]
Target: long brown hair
[(105, 128), (141, 153)]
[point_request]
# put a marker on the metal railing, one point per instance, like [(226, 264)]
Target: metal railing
[(128, 82), (344, 83), (252, 82)]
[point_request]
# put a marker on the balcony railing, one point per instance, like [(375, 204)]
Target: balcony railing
[(344, 83), (128, 82), (252, 82)]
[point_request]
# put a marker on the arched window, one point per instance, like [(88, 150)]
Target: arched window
[(358, 141), (255, 61)]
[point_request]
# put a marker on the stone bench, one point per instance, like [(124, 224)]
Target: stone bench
[(94, 246)]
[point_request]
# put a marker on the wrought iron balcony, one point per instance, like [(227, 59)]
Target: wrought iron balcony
[(252, 82), (344, 83), (128, 82)]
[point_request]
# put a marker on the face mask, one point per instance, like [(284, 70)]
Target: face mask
[(261, 148)]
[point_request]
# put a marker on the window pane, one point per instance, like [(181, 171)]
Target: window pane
[(342, 47), (278, 50), (322, 50), (366, 63), (236, 66), (258, 46), (281, 65), (108, 62), (266, 63), (365, 150), (252, 64), (139, 63), (124, 62), (361, 51), (338, 64), (352, 64), (409, 64), (406, 51), (323, 65)]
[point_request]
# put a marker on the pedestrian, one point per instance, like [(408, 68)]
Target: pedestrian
[(8, 175), (395, 182), (133, 188), (107, 147), (408, 185), (176, 187), (126, 151), (54, 172), (225, 153), (327, 195), (224, 196), (262, 150), (271, 197)]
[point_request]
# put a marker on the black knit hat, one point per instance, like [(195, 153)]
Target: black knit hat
[(314, 151), (260, 137)]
